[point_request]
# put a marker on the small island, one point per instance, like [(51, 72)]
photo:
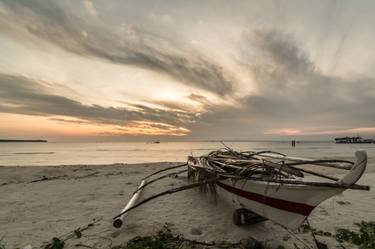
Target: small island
[(23, 141)]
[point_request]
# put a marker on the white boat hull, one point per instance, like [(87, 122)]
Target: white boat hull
[(286, 204)]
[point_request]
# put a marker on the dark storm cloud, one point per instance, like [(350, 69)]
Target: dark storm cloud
[(25, 96), (292, 93), (54, 23)]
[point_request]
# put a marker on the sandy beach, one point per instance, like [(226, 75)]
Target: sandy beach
[(96, 95), (38, 203)]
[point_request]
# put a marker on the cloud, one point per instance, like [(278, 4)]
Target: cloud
[(90, 7), (200, 99), (351, 131), (284, 132), (54, 23), (292, 86), (22, 95), (161, 18), (293, 96)]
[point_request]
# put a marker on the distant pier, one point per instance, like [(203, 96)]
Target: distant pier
[(353, 140)]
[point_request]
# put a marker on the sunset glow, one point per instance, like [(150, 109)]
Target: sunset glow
[(91, 69)]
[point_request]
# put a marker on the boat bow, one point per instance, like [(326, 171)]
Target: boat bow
[(356, 171)]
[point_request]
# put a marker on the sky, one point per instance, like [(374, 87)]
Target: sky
[(186, 70)]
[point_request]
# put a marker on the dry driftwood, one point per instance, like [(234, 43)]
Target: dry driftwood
[(277, 165)]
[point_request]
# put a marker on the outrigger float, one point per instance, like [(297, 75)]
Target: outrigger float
[(262, 185)]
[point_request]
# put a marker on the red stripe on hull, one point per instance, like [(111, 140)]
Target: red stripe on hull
[(294, 207)]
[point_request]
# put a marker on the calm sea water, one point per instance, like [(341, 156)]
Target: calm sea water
[(63, 153)]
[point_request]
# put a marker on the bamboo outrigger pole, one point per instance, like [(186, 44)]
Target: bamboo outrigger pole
[(319, 184), (170, 191), (120, 219), (159, 178), (300, 161)]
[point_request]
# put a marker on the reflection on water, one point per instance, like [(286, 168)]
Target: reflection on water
[(64, 153)]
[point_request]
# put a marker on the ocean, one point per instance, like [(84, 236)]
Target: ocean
[(73, 153)]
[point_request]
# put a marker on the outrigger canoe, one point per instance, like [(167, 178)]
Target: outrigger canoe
[(268, 185)]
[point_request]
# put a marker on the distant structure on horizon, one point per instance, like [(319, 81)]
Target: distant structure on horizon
[(353, 140), (23, 141)]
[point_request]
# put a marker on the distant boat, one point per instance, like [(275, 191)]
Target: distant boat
[(156, 142), (353, 140)]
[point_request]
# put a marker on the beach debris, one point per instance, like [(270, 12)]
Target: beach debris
[(251, 243), (56, 243), (45, 178), (59, 242), (165, 239), (364, 239), (343, 202)]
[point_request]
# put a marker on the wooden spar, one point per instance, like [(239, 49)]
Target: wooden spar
[(159, 178), (258, 153), (170, 191), (229, 166), (120, 219), (316, 174), (309, 161), (284, 168), (212, 165), (318, 184), (325, 163)]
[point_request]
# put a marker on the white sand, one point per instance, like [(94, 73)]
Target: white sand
[(31, 213)]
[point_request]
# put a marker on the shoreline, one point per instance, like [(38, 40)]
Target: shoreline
[(33, 210)]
